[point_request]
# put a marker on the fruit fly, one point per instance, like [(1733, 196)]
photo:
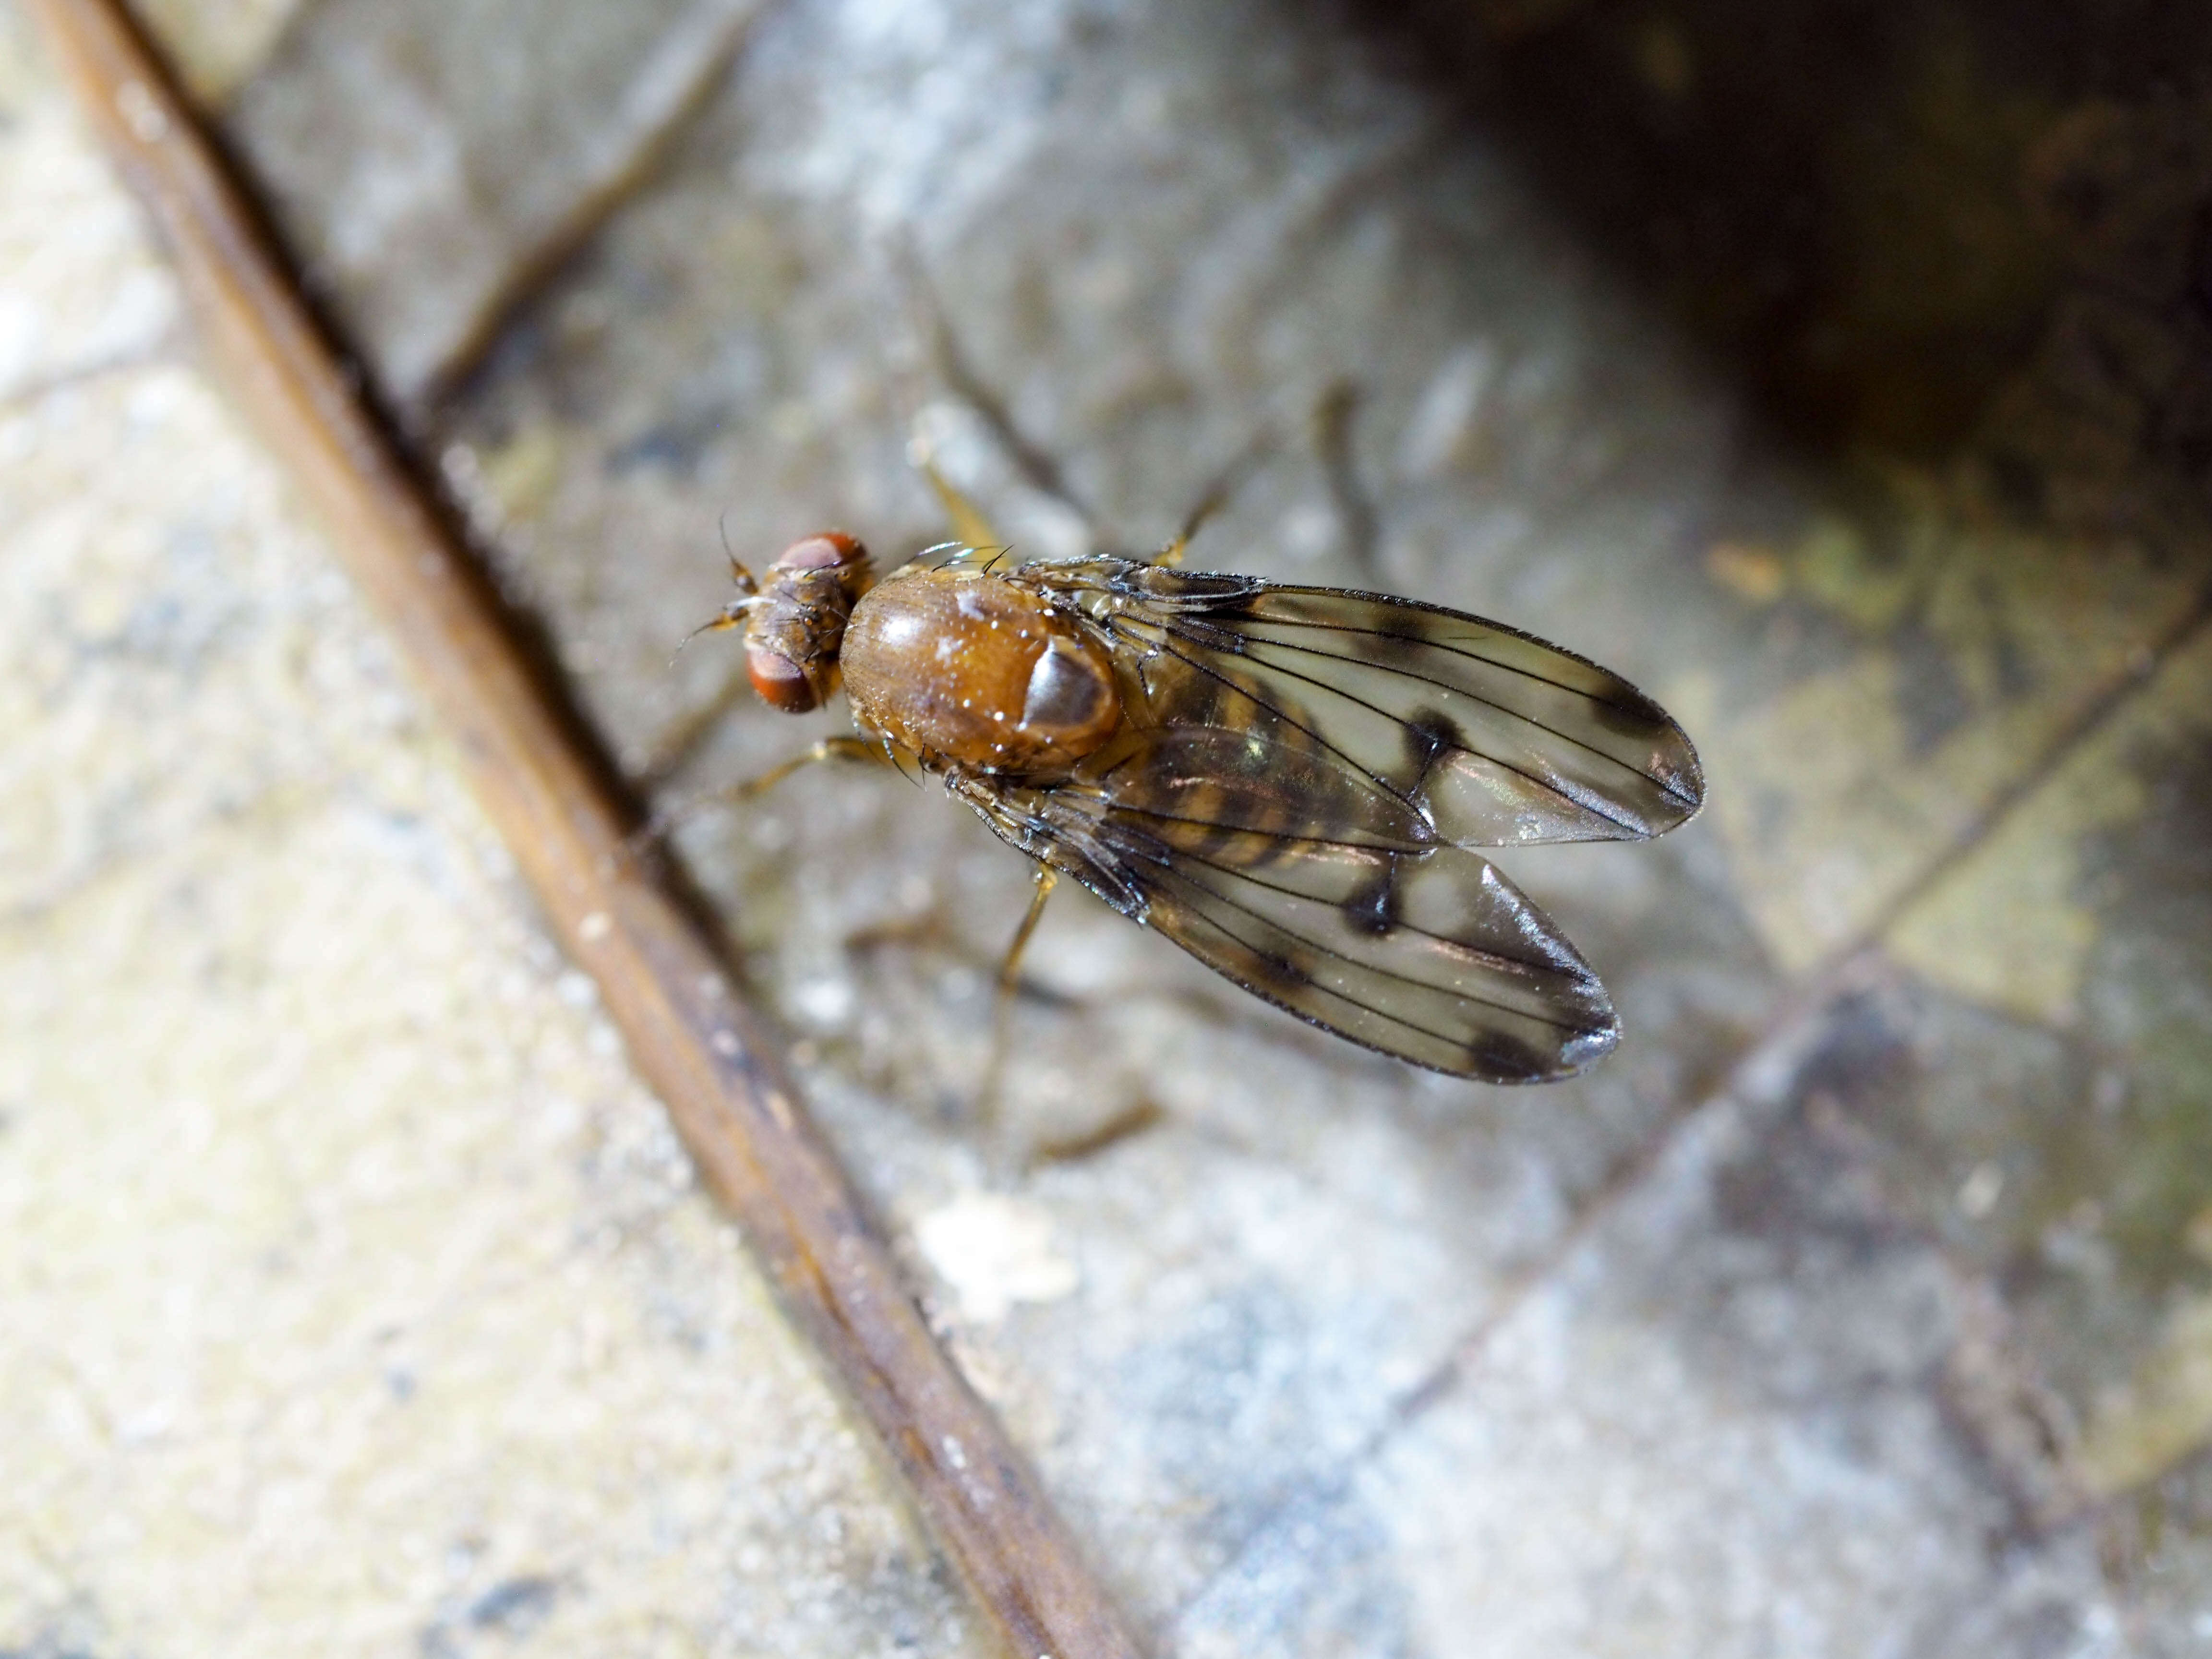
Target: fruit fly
[(1291, 783)]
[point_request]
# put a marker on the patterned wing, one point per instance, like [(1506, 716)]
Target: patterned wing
[(1298, 878), (1496, 738)]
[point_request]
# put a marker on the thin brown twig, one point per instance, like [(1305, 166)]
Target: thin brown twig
[(543, 785)]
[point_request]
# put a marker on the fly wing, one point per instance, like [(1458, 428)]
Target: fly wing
[(1303, 883), (1497, 737)]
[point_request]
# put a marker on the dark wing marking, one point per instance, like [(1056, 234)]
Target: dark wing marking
[(1497, 737), (1364, 924)]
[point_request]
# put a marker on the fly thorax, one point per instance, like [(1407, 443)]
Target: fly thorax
[(969, 669)]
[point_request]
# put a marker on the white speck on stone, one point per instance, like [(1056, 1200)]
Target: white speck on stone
[(1437, 430), (1979, 1192), (1309, 531), (150, 1423), (827, 1001), (993, 1251)]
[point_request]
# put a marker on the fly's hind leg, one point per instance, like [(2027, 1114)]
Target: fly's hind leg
[(1002, 1007), (666, 820), (1133, 1118)]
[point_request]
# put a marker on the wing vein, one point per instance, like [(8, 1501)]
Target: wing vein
[(1455, 648), (1479, 697), (1414, 847), (1381, 783), (1465, 691), (1297, 938), (1170, 641), (1411, 927)]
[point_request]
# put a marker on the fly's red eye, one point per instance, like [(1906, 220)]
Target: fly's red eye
[(823, 550), (780, 681)]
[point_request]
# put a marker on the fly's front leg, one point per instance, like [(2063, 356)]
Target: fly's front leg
[(667, 819)]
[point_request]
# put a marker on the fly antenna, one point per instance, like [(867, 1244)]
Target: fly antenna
[(730, 617), (738, 573), (734, 611)]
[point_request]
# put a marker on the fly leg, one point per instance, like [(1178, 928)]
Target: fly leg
[(1217, 494), (666, 820), (1358, 521), (955, 370), (968, 524), (1047, 878), (1002, 1007), (689, 732)]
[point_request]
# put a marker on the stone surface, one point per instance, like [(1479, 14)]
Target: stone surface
[(1724, 1428), (2060, 1132), (1839, 379), (218, 45), (357, 1298), (427, 158), (63, 215), (1229, 1344)]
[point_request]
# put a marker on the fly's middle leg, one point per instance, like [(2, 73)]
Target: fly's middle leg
[(1218, 491), (1047, 878), (968, 523), (1002, 1006)]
